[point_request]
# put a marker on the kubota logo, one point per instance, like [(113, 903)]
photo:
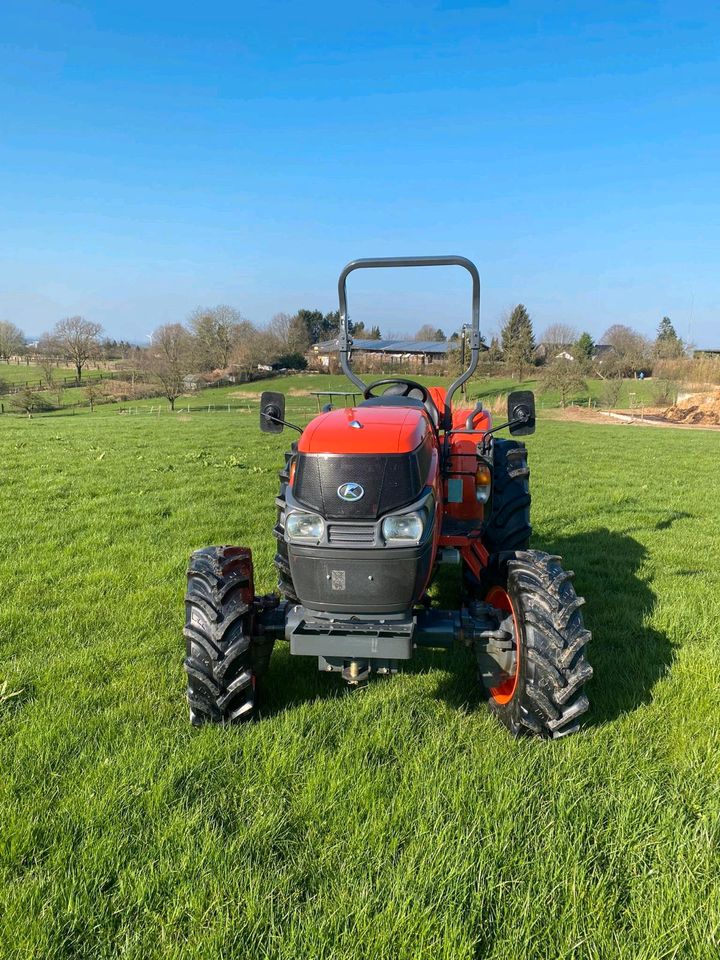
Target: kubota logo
[(350, 492)]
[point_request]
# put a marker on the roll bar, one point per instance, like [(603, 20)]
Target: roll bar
[(345, 341)]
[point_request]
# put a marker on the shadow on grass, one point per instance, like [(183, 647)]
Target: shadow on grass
[(627, 655)]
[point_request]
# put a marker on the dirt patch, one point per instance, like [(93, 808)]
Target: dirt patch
[(651, 417), (701, 408)]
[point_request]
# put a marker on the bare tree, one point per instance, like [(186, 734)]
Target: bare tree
[(291, 332), (632, 349), (12, 340), (168, 359), (256, 347), (216, 331), (94, 392), (611, 391), (76, 339), (564, 376), (428, 332), (560, 335), (48, 372)]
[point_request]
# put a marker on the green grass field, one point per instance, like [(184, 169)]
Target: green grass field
[(299, 387), (632, 391), (398, 823), (12, 373)]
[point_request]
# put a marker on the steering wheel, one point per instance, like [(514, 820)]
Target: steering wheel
[(406, 388), (408, 385)]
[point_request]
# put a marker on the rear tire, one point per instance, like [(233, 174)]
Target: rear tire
[(545, 696), (508, 526), (223, 659)]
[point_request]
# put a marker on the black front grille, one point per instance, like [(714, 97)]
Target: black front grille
[(351, 533), (389, 481)]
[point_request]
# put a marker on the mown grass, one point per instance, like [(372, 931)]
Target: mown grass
[(401, 822), (632, 392), (300, 387), (13, 373)]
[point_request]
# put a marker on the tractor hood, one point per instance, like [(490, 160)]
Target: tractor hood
[(373, 430), (363, 462)]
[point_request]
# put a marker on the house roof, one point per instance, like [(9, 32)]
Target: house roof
[(389, 346)]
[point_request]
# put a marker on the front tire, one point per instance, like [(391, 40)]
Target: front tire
[(223, 659), (508, 524), (544, 692)]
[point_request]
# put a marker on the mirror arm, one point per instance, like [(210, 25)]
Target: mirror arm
[(285, 423), (518, 421)]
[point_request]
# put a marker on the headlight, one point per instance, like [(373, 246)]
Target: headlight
[(404, 526), (483, 483), (304, 526)]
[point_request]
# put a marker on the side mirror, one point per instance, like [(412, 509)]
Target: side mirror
[(521, 413), (272, 412)]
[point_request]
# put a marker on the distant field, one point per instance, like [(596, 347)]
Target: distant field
[(401, 823), (299, 388), (20, 373), (633, 391)]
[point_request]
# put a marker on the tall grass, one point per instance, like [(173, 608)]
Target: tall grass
[(691, 372)]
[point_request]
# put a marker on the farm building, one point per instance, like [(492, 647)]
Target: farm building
[(387, 352)]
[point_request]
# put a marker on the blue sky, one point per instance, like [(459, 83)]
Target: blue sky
[(157, 156)]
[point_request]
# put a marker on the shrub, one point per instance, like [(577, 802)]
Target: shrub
[(610, 393), (664, 393)]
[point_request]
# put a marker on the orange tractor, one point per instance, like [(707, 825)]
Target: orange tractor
[(373, 498)]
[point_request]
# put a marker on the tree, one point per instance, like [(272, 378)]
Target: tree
[(428, 332), (12, 340), (320, 326), (298, 340), (564, 376), (48, 372), (611, 391), (314, 323), (518, 342), (559, 335), (632, 351), (254, 348), (115, 349), (216, 330), (331, 324), (76, 339), (360, 332), (290, 361), (584, 347), (291, 332), (93, 393), (668, 345), (26, 401), (168, 359)]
